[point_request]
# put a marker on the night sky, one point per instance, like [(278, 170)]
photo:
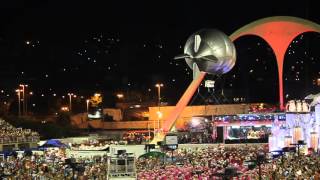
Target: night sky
[(58, 47)]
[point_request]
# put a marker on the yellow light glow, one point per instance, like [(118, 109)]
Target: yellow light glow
[(159, 85), (159, 113), (120, 96)]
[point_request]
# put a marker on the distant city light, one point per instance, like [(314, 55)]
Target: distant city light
[(120, 96), (64, 108)]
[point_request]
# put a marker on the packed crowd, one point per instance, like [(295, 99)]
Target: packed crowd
[(185, 164), (196, 138), (9, 134), (52, 165), (207, 163), (200, 163)]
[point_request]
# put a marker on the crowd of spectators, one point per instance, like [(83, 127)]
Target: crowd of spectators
[(52, 165), (206, 163), (184, 163), (9, 134)]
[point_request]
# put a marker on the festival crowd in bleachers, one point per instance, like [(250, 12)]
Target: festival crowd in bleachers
[(10, 134), (207, 163)]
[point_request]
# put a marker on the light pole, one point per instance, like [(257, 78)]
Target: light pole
[(30, 94), (159, 85), (70, 101), (19, 101), (159, 113), (149, 132), (87, 105), (24, 105)]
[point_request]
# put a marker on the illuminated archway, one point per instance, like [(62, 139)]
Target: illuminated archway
[(278, 32)]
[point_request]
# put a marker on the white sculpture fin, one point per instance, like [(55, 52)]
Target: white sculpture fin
[(195, 70), (197, 42), (182, 56)]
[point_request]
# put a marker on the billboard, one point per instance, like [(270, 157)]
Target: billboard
[(209, 84)]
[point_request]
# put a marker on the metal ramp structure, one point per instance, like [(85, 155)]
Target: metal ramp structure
[(121, 167)]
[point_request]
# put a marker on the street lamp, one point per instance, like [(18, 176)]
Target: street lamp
[(24, 105), (19, 101), (87, 105), (159, 85), (30, 95), (159, 113), (70, 101)]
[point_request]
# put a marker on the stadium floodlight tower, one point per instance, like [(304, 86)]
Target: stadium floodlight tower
[(206, 51)]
